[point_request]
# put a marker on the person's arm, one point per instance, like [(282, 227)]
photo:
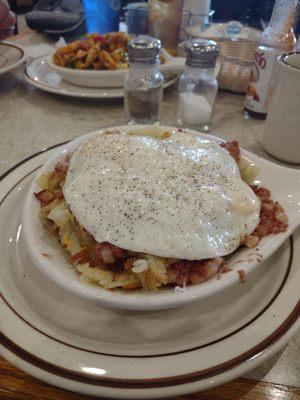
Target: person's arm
[(7, 20)]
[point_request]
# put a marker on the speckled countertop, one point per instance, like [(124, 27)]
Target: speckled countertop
[(32, 120)]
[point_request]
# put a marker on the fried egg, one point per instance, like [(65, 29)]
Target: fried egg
[(180, 197)]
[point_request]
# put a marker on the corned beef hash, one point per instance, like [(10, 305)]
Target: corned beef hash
[(149, 212)]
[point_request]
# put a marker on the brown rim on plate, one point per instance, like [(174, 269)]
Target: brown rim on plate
[(146, 355), (5, 58), (22, 53), (71, 93), (151, 382), (140, 355)]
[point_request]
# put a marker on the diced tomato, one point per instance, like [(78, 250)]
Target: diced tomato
[(177, 273), (242, 275), (98, 39), (82, 256)]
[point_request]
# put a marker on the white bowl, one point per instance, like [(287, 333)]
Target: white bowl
[(111, 79), (56, 266)]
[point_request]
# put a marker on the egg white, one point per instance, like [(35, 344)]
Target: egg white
[(181, 197)]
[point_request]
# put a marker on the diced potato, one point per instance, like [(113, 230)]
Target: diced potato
[(60, 214), (70, 240), (104, 278), (248, 170)]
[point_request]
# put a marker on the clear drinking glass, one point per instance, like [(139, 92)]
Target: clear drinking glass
[(164, 22), (102, 15)]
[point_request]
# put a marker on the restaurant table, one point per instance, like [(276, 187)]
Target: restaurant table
[(32, 120)]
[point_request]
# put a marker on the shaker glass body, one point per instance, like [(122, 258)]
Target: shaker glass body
[(143, 87), (196, 98)]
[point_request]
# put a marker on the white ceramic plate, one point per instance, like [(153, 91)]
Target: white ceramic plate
[(111, 79), (39, 74), (11, 57), (281, 181), (68, 342)]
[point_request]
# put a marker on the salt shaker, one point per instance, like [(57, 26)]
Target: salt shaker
[(198, 85), (143, 85)]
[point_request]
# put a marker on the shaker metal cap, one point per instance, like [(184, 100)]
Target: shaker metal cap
[(201, 53), (144, 49)]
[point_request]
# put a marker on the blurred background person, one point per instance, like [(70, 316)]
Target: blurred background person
[(7, 20)]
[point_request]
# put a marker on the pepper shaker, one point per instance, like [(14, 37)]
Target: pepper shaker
[(143, 85), (198, 85)]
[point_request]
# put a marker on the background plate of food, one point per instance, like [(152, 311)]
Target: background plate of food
[(179, 257), (100, 61), (42, 76)]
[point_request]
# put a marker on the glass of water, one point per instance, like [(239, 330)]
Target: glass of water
[(164, 22)]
